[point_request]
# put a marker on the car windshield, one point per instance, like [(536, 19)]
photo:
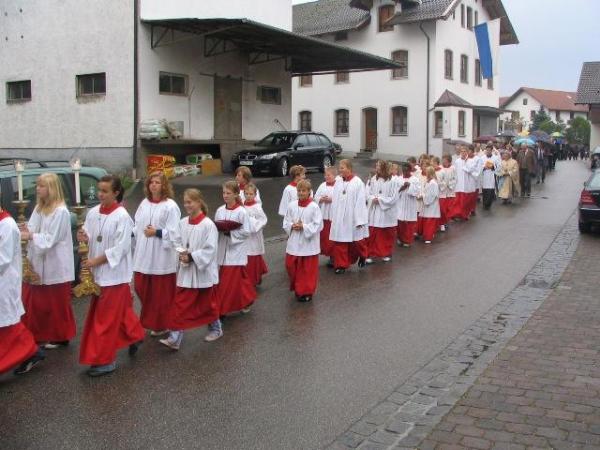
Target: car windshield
[(593, 183), (277, 140)]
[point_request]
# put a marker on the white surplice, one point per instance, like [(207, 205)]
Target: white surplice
[(290, 193), (322, 191), (11, 306), (447, 182), (305, 242), (489, 175), (233, 250), (201, 242), (349, 217), (257, 221), (431, 200), (407, 199), (383, 213)]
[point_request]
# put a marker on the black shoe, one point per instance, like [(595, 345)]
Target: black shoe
[(133, 348), (362, 262), (329, 264), (339, 271), (305, 298), (30, 363)]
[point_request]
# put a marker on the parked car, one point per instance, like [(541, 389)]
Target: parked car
[(589, 203), (595, 158), (278, 151)]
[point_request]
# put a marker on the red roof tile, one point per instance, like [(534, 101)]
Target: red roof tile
[(552, 100)]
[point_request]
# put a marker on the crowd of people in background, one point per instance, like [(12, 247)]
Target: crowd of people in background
[(194, 272)]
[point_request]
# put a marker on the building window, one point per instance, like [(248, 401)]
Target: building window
[(557, 116), (464, 68), (305, 80), (439, 124), (399, 120), (269, 94), (305, 121), (462, 15), (18, 91), (342, 77), (400, 56), (477, 72), (461, 123), (571, 115), (525, 102), (342, 122), (469, 18), (476, 18), (172, 83), (532, 114), (385, 13), (91, 84), (490, 82), (448, 64), (340, 36), (514, 115)]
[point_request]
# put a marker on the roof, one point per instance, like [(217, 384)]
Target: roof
[(327, 16), (502, 101), (263, 43), (441, 9), (449, 98), (551, 100), (588, 91)]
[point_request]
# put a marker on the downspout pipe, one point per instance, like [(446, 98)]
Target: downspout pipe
[(427, 90), (135, 86)]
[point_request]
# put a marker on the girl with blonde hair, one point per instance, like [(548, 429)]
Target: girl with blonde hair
[(155, 259), (431, 205), (48, 312)]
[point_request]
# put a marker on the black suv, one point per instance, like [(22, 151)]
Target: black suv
[(278, 151)]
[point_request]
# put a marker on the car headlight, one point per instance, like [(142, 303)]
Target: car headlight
[(268, 156)]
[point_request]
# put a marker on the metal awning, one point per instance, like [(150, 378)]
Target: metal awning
[(262, 43)]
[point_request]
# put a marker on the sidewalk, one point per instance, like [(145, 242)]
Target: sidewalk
[(543, 389)]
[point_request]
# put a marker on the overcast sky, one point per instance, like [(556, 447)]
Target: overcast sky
[(556, 37)]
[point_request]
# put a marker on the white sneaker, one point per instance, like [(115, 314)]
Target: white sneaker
[(399, 242), (442, 227), (405, 245), (387, 259), (169, 343), (246, 310), (428, 242), (369, 260), (213, 336), (158, 333)]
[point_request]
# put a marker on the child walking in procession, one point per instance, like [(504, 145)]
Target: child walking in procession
[(18, 347), (235, 291), (431, 205), (243, 176), (302, 223), (155, 260), (408, 189), (48, 311), (111, 323), (195, 303), (257, 267), (382, 194), (447, 184), (323, 198), (290, 193)]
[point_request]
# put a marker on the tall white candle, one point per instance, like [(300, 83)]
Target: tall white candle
[(76, 166), (19, 168)]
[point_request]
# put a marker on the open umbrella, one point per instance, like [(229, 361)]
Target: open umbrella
[(507, 133), (524, 140), (557, 134), (524, 133)]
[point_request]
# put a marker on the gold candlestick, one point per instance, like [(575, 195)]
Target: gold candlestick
[(29, 275), (86, 285)]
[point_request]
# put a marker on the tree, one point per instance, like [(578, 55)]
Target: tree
[(547, 126), (579, 131), (540, 117)]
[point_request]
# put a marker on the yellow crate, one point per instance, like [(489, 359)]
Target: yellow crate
[(211, 167)]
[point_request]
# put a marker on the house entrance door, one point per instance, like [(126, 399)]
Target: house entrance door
[(370, 129), (228, 108)]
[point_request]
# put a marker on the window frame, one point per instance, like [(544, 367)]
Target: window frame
[(301, 120), (394, 71), (469, 18), (478, 75), (438, 116), (261, 89), (172, 75), (339, 119), (462, 15), (79, 79), (381, 27), (464, 68), (448, 74), (525, 101), (490, 83), (462, 121), (20, 84), (337, 79), (305, 80), (475, 18), (404, 131)]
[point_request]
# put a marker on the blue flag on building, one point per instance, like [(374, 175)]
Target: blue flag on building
[(488, 36)]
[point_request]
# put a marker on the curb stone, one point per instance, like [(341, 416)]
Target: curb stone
[(409, 414)]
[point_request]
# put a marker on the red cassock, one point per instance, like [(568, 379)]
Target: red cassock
[(381, 241), (17, 345), (472, 202), (256, 268), (194, 307), (430, 226), (235, 290), (460, 209), (326, 244), (48, 312), (347, 253), (111, 324), (406, 231), (156, 294), (419, 229), (446, 205), (303, 272)]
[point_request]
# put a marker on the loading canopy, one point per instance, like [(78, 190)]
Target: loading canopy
[(304, 55)]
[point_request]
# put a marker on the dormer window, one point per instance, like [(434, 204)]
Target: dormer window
[(386, 12)]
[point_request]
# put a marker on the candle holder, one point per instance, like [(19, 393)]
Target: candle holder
[(29, 275), (86, 285)]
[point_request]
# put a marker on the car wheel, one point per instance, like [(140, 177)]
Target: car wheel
[(326, 163), (282, 168), (584, 227)]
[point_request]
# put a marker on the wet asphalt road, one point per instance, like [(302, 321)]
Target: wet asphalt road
[(290, 375)]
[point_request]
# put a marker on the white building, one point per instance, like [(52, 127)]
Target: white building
[(588, 94), (439, 96), (81, 76), (525, 102)]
